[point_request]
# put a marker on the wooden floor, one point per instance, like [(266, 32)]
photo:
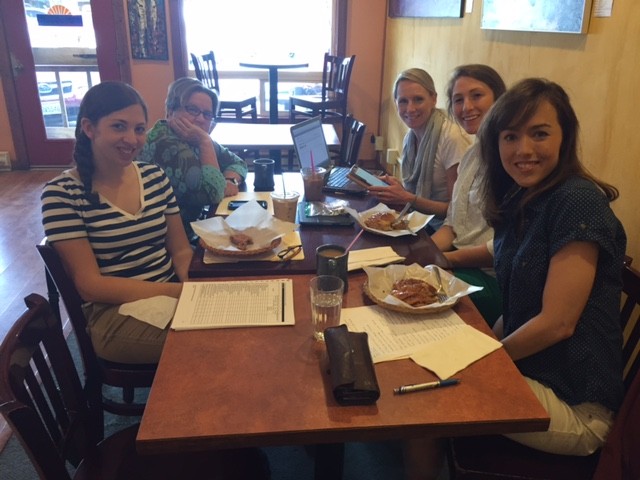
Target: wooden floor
[(21, 269)]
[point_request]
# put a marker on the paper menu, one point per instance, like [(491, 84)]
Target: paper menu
[(240, 303)]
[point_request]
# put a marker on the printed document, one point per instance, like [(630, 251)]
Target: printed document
[(241, 303)]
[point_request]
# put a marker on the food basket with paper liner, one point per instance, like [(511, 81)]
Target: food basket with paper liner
[(251, 220), (416, 221), (381, 280)]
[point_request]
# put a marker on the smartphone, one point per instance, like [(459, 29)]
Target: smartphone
[(364, 178), (235, 204)]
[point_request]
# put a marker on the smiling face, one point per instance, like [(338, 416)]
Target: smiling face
[(530, 152), (471, 99), (415, 104), (117, 138)]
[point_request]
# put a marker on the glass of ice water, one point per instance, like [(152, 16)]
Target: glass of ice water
[(326, 303)]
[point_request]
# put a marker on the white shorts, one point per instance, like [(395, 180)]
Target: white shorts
[(574, 430)]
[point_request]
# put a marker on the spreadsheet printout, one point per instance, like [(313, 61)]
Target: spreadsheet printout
[(235, 304)]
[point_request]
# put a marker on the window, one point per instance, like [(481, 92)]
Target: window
[(255, 29)]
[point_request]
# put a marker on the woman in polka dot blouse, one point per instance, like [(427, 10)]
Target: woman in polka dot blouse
[(559, 252)]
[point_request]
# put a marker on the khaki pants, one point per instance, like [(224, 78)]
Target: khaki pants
[(121, 338), (574, 430)]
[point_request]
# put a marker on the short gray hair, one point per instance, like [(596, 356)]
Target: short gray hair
[(181, 90)]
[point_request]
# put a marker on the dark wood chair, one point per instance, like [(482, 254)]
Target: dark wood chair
[(496, 457), (352, 135), (97, 372), (331, 103), (230, 110), (43, 401)]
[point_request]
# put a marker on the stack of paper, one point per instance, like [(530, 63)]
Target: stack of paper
[(440, 342)]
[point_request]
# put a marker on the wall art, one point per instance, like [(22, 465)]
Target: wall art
[(425, 8), (148, 29), (568, 16)]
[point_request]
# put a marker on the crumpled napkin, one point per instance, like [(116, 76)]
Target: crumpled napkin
[(157, 311), (369, 257), (449, 355), (250, 219)]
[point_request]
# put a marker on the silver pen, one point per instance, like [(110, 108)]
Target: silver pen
[(418, 387)]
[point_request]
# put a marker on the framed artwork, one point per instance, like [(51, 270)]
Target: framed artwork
[(425, 8), (148, 29), (568, 16)]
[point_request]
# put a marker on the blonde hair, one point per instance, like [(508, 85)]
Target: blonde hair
[(416, 75)]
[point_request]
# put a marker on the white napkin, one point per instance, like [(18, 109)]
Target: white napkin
[(157, 311), (369, 257), (251, 219), (449, 355)]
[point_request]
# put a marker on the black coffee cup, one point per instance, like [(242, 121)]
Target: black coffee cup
[(263, 171)]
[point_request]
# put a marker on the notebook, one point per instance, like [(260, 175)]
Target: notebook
[(308, 138)]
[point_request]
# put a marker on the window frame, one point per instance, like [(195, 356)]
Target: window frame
[(181, 56)]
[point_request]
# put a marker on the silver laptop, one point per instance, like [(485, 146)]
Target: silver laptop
[(308, 139)]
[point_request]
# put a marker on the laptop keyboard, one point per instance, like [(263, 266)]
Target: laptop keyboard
[(338, 177)]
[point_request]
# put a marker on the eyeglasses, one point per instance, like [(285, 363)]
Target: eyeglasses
[(195, 111), (289, 252)]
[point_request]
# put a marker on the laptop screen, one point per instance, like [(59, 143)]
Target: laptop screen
[(308, 139)]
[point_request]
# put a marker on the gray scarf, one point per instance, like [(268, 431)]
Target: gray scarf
[(417, 166)]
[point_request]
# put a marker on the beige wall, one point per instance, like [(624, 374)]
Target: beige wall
[(600, 71)]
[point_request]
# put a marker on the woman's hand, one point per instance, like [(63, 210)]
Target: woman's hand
[(188, 131), (394, 194)]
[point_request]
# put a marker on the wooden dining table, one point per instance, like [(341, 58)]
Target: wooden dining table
[(415, 248), (270, 386)]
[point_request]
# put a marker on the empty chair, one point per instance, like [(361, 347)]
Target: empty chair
[(496, 457), (331, 103), (352, 134), (230, 110), (98, 372), (43, 401)]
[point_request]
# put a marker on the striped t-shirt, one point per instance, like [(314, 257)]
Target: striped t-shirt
[(125, 245)]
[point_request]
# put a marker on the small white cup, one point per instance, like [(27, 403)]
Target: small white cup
[(285, 205)]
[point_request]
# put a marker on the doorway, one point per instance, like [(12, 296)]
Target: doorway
[(52, 61)]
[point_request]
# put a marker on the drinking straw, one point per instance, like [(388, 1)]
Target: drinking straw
[(313, 165), (284, 190), (354, 240)]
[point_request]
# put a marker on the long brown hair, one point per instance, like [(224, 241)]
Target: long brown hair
[(512, 110)]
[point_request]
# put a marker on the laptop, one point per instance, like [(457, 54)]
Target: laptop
[(308, 138)]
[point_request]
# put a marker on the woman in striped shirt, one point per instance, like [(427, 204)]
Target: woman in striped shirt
[(116, 224)]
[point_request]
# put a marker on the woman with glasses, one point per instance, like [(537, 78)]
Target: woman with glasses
[(201, 171)]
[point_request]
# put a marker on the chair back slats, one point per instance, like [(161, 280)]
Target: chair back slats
[(630, 320), (41, 395), (332, 102), (210, 72), (97, 372), (352, 134)]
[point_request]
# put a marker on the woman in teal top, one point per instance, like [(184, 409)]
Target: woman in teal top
[(201, 171)]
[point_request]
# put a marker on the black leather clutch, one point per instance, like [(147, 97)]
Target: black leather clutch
[(353, 376)]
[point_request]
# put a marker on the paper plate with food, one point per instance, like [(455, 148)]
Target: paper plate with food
[(249, 230), (380, 218), (412, 288)]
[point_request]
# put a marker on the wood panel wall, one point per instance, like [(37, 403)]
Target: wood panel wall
[(600, 71)]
